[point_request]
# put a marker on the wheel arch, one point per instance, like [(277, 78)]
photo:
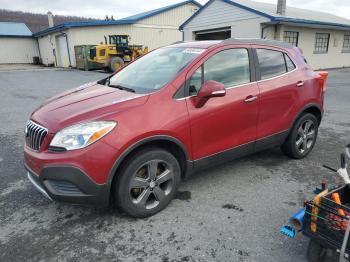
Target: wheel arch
[(173, 145), (310, 108)]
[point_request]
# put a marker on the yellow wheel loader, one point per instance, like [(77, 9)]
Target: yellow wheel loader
[(112, 55)]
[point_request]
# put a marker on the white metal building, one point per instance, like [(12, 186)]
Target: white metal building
[(323, 37), (17, 44), (153, 29)]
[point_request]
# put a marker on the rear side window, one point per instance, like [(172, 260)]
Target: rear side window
[(271, 63), (289, 63), (230, 67)]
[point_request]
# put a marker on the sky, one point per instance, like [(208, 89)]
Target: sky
[(122, 8)]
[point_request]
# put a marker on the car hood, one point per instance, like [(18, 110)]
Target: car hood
[(85, 103)]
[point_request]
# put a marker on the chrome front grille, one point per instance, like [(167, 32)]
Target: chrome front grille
[(35, 135)]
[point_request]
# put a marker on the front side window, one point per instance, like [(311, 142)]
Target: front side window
[(321, 43), (346, 44), (196, 81), (291, 37), (154, 70), (230, 67), (271, 63)]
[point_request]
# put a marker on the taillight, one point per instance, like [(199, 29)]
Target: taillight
[(323, 77)]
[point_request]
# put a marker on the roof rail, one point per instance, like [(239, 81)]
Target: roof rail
[(178, 42), (258, 41)]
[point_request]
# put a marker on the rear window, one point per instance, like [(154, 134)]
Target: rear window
[(271, 63)]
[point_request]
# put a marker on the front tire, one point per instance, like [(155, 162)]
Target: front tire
[(302, 137), (147, 182)]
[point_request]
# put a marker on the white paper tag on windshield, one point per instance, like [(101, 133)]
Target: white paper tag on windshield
[(193, 51)]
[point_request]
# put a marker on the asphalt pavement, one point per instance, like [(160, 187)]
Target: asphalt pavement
[(232, 212)]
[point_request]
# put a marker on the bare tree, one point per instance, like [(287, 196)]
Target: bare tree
[(37, 22)]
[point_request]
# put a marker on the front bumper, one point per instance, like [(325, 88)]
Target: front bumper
[(68, 184)]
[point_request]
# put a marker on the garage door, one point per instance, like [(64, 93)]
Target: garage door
[(214, 34), (18, 50)]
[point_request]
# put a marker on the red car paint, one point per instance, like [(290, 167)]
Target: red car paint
[(222, 123)]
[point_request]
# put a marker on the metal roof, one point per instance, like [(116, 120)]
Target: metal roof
[(293, 14), (158, 11), (124, 21), (11, 29)]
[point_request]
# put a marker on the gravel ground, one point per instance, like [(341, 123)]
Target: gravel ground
[(229, 213)]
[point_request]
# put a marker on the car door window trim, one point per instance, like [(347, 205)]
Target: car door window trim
[(256, 72), (252, 70)]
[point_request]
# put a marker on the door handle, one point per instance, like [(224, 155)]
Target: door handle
[(250, 99), (300, 83)]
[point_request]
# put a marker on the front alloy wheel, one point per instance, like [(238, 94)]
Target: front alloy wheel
[(147, 182), (151, 183)]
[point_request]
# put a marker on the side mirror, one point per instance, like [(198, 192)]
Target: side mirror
[(209, 89)]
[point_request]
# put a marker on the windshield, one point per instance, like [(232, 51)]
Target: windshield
[(153, 71)]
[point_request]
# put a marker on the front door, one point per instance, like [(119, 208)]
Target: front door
[(227, 122)]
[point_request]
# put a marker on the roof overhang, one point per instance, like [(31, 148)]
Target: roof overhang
[(65, 26), (308, 23), (16, 36)]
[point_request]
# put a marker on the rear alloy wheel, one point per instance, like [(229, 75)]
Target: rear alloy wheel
[(306, 136), (302, 137), (148, 182)]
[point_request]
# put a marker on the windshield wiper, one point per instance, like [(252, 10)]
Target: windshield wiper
[(123, 88)]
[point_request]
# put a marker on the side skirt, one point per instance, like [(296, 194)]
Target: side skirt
[(271, 141), (236, 152)]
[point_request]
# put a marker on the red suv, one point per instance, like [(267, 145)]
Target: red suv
[(132, 137)]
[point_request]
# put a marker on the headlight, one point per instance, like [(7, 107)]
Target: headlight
[(82, 135)]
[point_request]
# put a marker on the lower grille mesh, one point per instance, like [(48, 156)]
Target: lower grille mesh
[(60, 187)]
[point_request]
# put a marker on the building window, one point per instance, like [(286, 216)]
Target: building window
[(291, 37), (321, 43), (346, 44)]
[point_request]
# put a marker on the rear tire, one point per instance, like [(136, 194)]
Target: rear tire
[(147, 182), (302, 137), (315, 252), (116, 63)]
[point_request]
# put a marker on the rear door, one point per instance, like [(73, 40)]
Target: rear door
[(227, 122), (279, 93)]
